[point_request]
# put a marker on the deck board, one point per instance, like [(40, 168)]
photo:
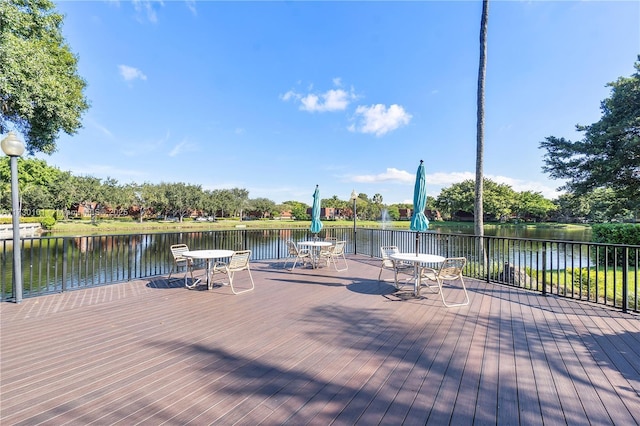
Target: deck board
[(315, 347)]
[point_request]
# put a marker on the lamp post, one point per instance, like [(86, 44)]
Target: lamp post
[(354, 197), (14, 148)]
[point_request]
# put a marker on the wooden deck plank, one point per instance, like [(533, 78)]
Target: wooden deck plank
[(314, 347), (529, 411), (487, 405), (507, 377), (446, 398), (465, 404)]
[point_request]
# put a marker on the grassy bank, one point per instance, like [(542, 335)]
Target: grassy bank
[(129, 226)]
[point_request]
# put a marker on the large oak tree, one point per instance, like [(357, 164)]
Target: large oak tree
[(41, 92), (609, 154)]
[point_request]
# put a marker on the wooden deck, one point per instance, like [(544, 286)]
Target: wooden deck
[(315, 347)]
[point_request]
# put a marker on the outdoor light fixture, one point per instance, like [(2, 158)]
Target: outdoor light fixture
[(354, 197), (14, 148)]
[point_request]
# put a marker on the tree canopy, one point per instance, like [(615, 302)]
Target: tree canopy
[(609, 154), (40, 90)]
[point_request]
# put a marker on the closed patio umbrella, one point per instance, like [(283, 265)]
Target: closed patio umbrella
[(419, 221), (316, 224)]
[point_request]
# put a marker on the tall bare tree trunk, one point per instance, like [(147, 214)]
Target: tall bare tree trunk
[(482, 69)]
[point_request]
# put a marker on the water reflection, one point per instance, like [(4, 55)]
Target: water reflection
[(551, 232)]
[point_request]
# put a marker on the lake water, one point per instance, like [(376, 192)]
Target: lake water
[(547, 232)]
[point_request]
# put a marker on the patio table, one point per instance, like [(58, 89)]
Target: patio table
[(315, 247), (208, 255), (417, 260)]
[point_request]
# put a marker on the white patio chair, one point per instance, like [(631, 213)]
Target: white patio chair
[(297, 254), (394, 265), (334, 252), (450, 270), (324, 250), (180, 261), (239, 262)]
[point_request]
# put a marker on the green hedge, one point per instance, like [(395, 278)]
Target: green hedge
[(617, 233), (7, 220), (46, 222)]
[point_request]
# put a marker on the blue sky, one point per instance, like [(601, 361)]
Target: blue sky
[(276, 97)]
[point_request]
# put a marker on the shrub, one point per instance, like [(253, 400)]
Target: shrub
[(616, 233), (47, 222)]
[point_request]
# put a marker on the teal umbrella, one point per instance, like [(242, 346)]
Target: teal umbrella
[(316, 224), (419, 221)]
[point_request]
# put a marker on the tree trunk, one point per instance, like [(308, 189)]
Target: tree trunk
[(478, 208)]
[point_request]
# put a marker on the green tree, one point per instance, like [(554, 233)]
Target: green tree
[(608, 156), (333, 202), (298, 209), (599, 205), (394, 213), (182, 198), (498, 198), (224, 201), (529, 204), (210, 203), (376, 206), (263, 205), (40, 90), (571, 206), (36, 181), (239, 200), (88, 192)]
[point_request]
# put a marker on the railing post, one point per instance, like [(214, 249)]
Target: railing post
[(485, 255), (64, 264), (130, 258), (544, 268), (625, 267)]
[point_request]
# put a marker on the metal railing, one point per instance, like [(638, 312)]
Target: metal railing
[(607, 274)]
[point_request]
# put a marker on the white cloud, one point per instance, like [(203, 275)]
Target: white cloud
[(444, 180), (390, 175), (146, 7), (520, 185), (378, 119), (183, 146), (131, 73), (448, 179), (100, 127), (331, 100), (191, 5), (402, 176)]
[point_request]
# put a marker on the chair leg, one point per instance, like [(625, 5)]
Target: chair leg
[(231, 274), (434, 288), (284, 266), (453, 305), (335, 264)]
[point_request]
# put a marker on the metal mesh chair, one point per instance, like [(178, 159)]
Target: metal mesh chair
[(239, 262), (334, 252), (394, 265), (296, 254), (450, 271), (180, 261)]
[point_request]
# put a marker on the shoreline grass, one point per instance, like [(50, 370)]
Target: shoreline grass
[(130, 226)]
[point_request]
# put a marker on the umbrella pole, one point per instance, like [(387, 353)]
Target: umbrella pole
[(417, 241)]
